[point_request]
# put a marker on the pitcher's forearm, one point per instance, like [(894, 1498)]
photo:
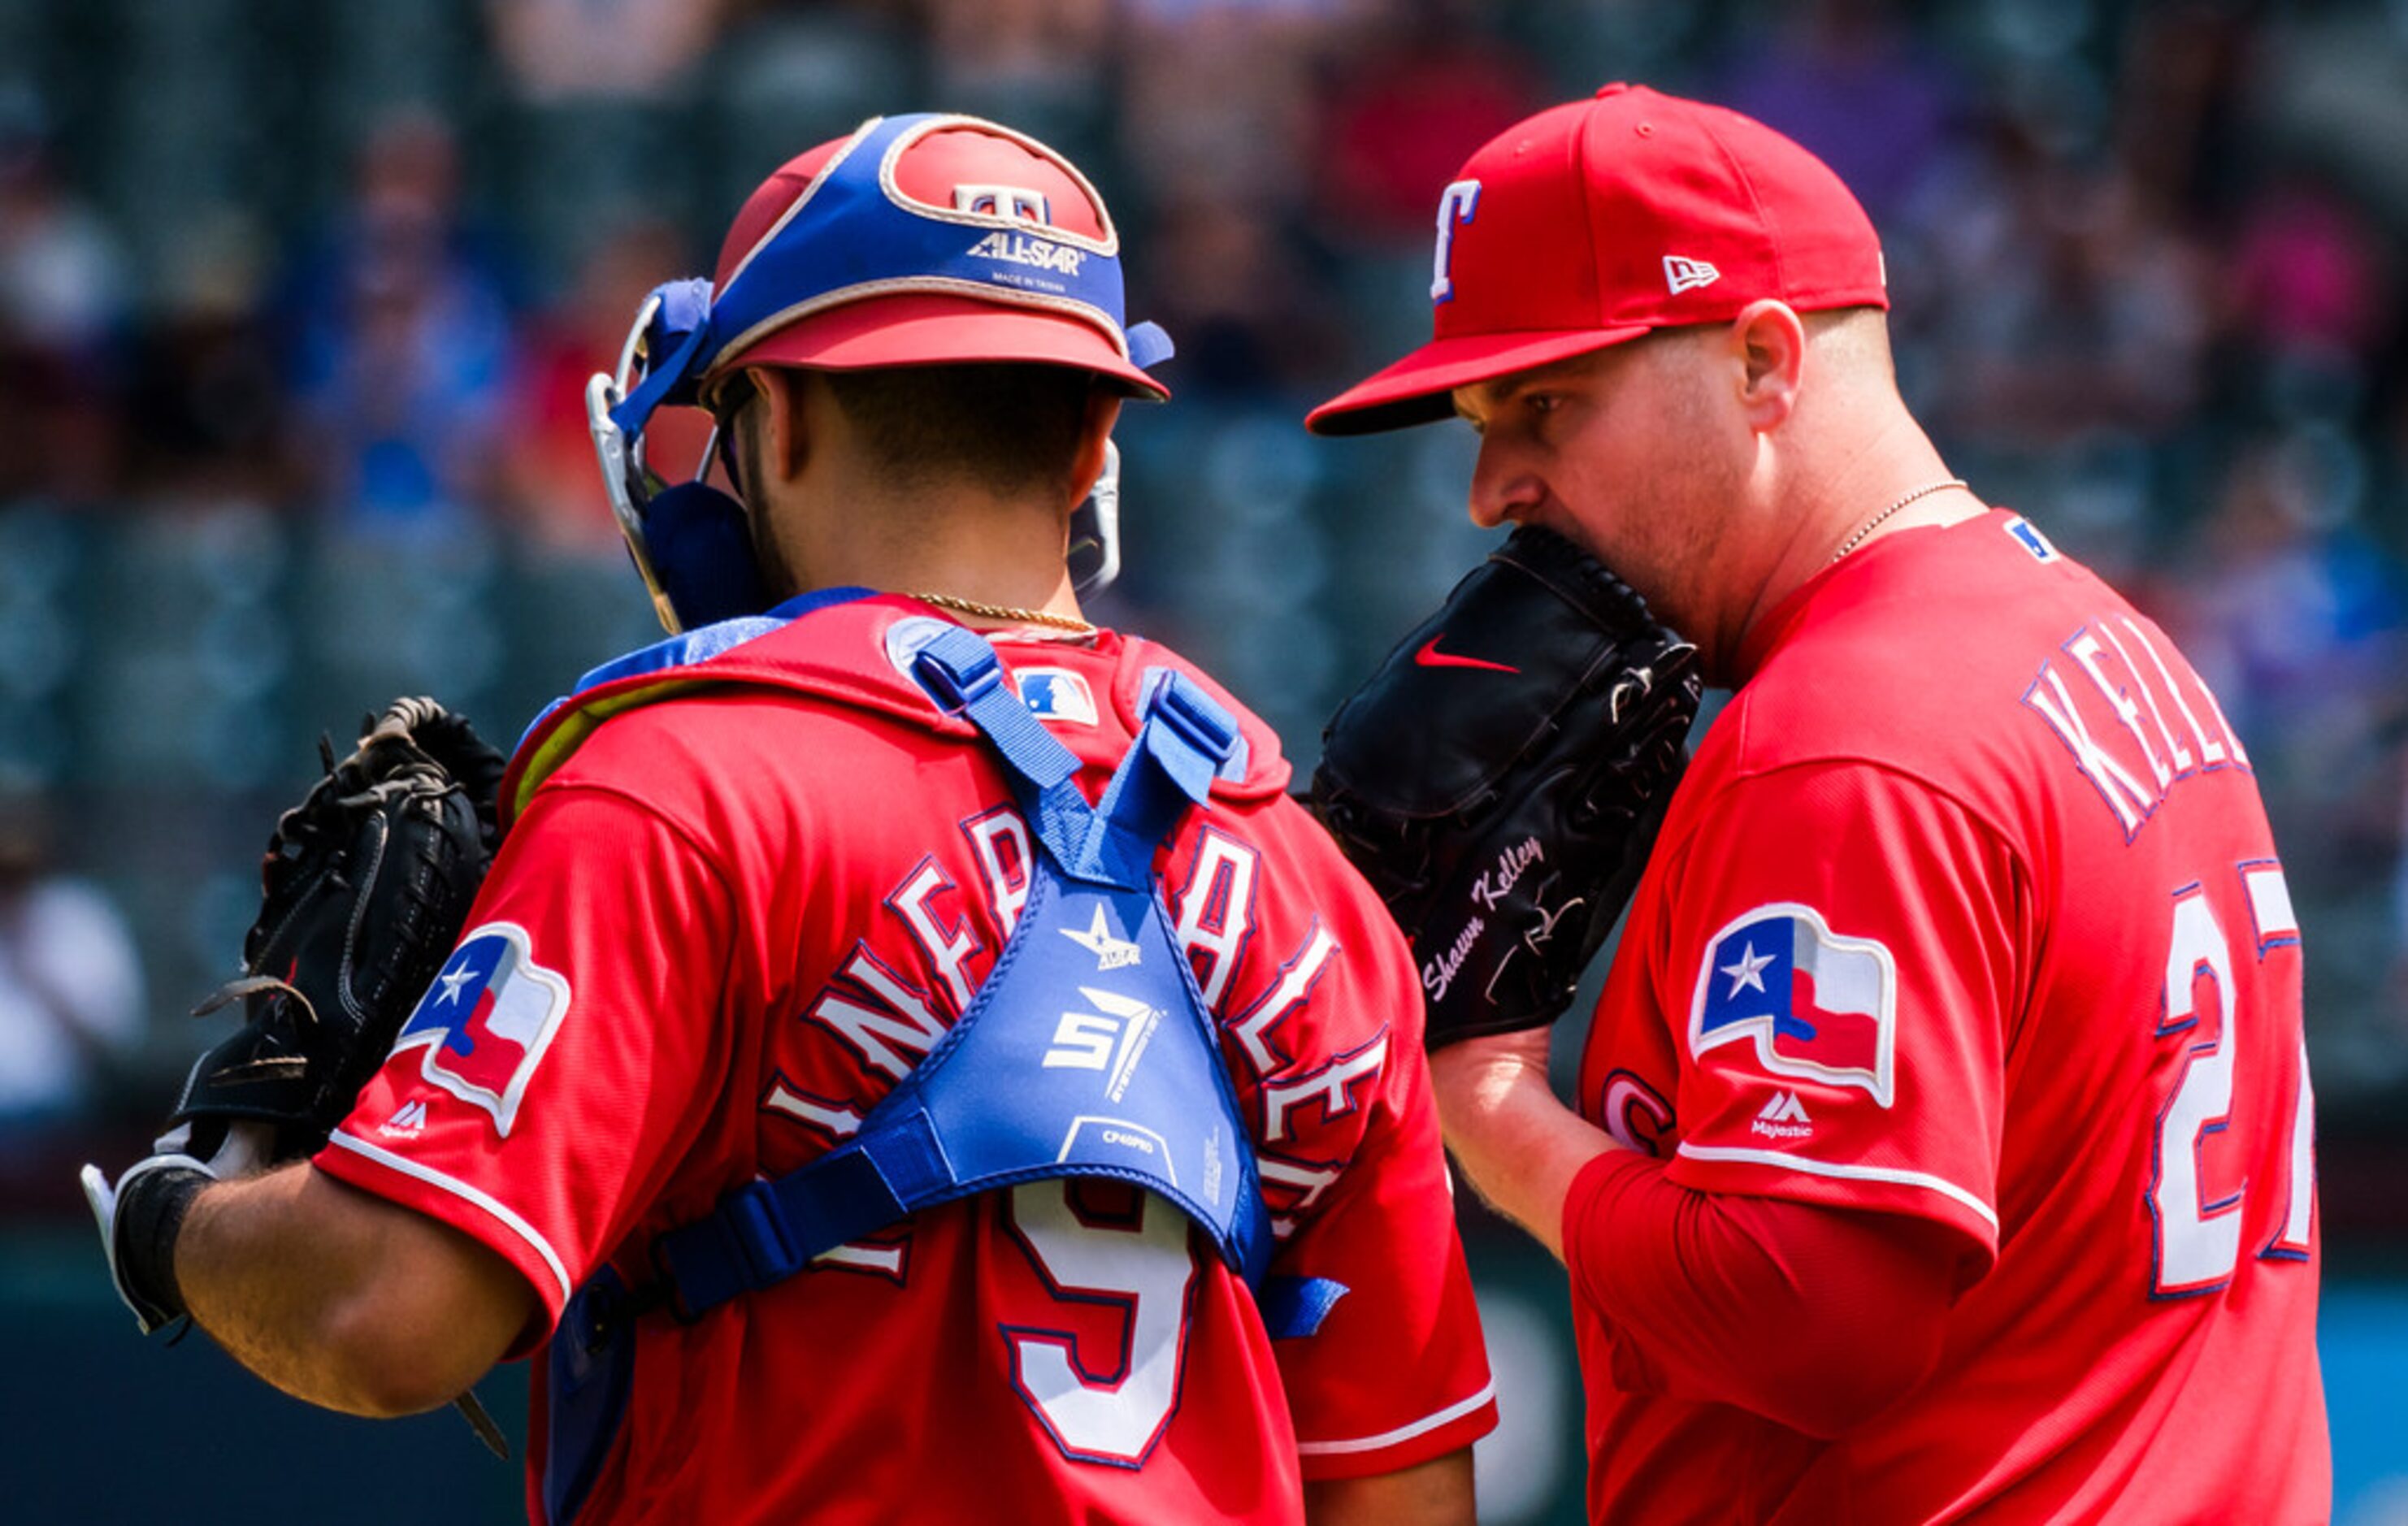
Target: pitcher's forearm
[(1513, 1137)]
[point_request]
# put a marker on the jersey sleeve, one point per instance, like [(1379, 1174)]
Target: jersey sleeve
[(1840, 954), (571, 1046), (1382, 1224)]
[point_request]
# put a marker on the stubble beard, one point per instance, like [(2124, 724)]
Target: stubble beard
[(777, 575), (1677, 547)]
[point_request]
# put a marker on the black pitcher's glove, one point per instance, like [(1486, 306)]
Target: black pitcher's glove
[(1499, 780), (367, 883)]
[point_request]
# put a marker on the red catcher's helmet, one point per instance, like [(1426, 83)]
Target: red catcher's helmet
[(927, 240)]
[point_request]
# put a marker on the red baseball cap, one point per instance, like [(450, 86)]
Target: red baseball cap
[(1594, 222)]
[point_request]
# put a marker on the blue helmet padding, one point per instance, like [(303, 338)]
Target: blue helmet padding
[(1149, 345), (701, 547), (675, 336)]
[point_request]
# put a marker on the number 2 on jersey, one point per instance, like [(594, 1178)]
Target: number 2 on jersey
[(2199, 1240), (1106, 1407)]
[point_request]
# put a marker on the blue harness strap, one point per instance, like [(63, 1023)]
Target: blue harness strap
[(1090, 1051)]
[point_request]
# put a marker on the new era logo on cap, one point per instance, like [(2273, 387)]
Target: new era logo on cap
[(1682, 274)]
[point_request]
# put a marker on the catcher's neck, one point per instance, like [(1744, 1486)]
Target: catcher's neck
[(836, 514), (966, 545)]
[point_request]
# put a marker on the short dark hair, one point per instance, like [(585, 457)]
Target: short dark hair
[(1009, 426)]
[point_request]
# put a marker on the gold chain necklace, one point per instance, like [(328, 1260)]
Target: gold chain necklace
[(1006, 611), (1867, 528)]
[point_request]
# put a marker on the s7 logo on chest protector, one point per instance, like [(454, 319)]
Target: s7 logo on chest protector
[(1111, 1039)]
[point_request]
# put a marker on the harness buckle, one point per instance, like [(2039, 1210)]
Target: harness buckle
[(958, 685), (1203, 724), (757, 1229)]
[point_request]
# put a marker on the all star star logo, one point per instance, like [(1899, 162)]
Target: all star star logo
[(1111, 952)]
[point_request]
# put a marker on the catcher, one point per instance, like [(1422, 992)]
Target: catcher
[(909, 1059)]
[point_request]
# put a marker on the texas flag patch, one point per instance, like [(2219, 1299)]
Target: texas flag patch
[(487, 1019), (1820, 1008)]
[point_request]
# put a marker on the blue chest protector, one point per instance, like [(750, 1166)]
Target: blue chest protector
[(1088, 1052), (1085, 1053)]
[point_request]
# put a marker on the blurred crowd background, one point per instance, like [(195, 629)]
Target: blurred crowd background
[(298, 299)]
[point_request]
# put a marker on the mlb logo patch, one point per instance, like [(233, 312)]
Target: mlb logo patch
[(487, 1020), (1058, 694), (1819, 1006)]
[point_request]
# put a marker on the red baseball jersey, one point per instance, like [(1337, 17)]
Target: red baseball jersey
[(727, 922), (1969, 912)]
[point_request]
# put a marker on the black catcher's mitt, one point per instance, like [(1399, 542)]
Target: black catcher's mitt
[(367, 884), (1499, 781)]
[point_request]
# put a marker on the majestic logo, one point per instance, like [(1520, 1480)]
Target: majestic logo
[(1429, 656), (1459, 203), (1056, 693), (1111, 1039), (1784, 1118), (1022, 248), (408, 1121), (487, 1020), (1819, 1007), (1682, 274), (1111, 953), (1018, 203)]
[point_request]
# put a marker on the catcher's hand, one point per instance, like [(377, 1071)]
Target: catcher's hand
[(139, 1216), (367, 883), (1499, 779)]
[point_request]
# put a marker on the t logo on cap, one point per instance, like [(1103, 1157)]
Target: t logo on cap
[(1457, 205)]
